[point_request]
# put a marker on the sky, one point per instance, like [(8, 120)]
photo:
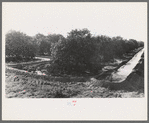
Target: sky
[(128, 20)]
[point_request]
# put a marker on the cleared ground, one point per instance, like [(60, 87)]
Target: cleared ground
[(19, 86)]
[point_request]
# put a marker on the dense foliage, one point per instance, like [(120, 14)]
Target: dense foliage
[(78, 53), (82, 53), (44, 43), (73, 54), (18, 46)]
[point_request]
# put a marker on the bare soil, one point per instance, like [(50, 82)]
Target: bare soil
[(19, 86)]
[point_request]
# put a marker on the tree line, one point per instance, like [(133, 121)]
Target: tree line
[(20, 46), (79, 52)]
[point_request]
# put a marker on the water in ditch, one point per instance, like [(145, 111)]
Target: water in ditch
[(122, 73)]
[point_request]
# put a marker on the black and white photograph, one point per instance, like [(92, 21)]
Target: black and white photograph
[(74, 51)]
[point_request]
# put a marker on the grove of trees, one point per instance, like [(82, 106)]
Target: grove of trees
[(81, 52), (78, 53), (19, 46)]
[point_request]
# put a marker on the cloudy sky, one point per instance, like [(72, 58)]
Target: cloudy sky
[(128, 20)]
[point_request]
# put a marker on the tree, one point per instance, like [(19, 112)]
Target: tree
[(73, 54), (75, 34), (54, 38), (140, 44), (44, 48), (119, 46), (39, 38), (135, 43), (45, 42), (19, 45)]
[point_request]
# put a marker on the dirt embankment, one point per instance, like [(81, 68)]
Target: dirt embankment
[(106, 74), (134, 81)]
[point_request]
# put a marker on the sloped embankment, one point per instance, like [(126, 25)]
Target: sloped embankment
[(134, 81)]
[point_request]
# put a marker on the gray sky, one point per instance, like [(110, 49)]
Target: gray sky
[(128, 20)]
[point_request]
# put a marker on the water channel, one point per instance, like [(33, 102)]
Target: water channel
[(122, 73)]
